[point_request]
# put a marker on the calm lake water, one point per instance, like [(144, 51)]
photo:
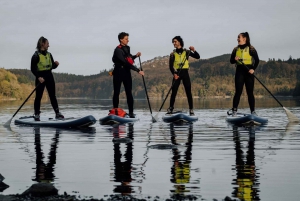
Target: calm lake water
[(209, 159)]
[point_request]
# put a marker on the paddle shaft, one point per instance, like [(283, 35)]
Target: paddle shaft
[(26, 100), (181, 65), (145, 87), (263, 85)]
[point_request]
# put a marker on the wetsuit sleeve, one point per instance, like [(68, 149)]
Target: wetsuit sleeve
[(35, 59), (195, 55), (118, 54), (254, 55), (53, 64), (232, 57), (171, 62), (133, 57)]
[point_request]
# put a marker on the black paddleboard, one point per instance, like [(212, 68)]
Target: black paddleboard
[(179, 117), (57, 123), (114, 119), (242, 119)]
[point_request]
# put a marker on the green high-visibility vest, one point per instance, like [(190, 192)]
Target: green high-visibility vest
[(244, 54), (45, 62), (179, 58)]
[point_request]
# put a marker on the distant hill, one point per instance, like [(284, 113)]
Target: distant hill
[(210, 77)]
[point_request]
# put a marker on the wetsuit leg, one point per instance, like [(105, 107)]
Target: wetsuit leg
[(50, 85), (249, 83), (117, 81), (188, 88), (239, 84), (174, 91), (38, 96), (127, 82)]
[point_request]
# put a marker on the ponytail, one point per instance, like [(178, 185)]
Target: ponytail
[(246, 35)]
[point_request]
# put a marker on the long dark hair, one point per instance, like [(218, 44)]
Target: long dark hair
[(246, 35), (40, 42)]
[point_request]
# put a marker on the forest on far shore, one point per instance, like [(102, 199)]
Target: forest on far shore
[(210, 78)]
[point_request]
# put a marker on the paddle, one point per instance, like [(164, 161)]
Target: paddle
[(290, 115), (7, 124), (181, 65), (153, 119)]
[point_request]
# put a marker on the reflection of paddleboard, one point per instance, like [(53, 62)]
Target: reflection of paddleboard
[(246, 120), (179, 117), (57, 123), (113, 119)]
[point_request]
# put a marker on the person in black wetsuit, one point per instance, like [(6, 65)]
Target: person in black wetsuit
[(179, 67), (244, 53), (123, 63), (42, 64)]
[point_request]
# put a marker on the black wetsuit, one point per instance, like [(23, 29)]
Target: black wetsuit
[(49, 83), (122, 74), (242, 76), (184, 76)]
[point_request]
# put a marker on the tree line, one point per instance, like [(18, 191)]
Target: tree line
[(209, 77)]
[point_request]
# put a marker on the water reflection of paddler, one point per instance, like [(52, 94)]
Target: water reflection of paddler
[(246, 172), (45, 172), (123, 168), (181, 168), (119, 131)]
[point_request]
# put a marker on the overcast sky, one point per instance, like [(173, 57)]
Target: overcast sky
[(83, 33)]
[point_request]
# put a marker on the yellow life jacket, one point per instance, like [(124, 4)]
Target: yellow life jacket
[(244, 54), (179, 58), (45, 62)]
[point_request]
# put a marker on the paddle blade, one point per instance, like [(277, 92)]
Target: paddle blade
[(153, 120), (291, 116), (7, 124)]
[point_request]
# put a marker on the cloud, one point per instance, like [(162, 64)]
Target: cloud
[(83, 34)]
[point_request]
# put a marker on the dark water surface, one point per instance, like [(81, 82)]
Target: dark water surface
[(209, 159)]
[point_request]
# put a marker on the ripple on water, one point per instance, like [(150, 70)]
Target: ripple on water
[(209, 159)]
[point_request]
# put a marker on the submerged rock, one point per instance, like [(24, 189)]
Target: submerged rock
[(41, 189)]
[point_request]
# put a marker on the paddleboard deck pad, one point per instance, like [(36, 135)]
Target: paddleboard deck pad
[(242, 119), (114, 119), (57, 123), (179, 117)]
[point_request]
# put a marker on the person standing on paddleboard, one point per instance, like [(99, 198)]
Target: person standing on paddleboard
[(179, 67), (42, 64), (123, 63), (246, 60)]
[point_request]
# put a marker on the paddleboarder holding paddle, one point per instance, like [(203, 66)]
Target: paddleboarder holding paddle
[(244, 55), (179, 67), (124, 62), (42, 64)]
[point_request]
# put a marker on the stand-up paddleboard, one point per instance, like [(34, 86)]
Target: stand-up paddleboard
[(57, 123), (242, 119), (114, 119), (179, 117)]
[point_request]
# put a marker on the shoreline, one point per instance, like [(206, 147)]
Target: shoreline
[(151, 98), (112, 197)]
